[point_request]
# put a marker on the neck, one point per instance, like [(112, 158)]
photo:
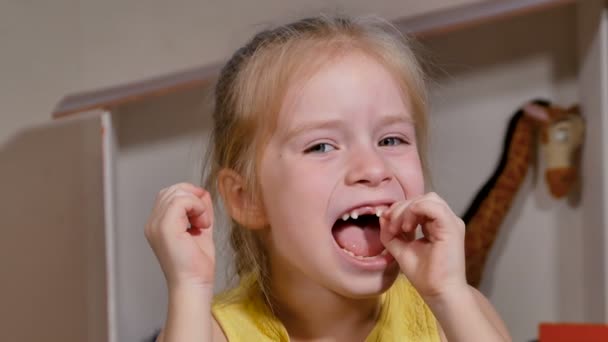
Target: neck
[(311, 312)]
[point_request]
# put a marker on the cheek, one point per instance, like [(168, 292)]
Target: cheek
[(410, 175), (415, 184), (296, 193), (273, 174), (287, 186)]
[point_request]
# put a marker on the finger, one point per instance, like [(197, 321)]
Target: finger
[(184, 211), (198, 220), (201, 221), (197, 191), (396, 247), (167, 193), (406, 256), (387, 213), (391, 233), (399, 246), (433, 196), (397, 208), (403, 220), (393, 217), (433, 216), (165, 197), (409, 217), (206, 198), (202, 226), (160, 201)]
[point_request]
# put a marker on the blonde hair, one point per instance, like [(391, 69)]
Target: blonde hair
[(252, 86)]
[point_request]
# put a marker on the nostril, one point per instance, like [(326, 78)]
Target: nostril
[(366, 167), (560, 180)]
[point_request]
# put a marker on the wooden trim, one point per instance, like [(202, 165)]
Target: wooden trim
[(108, 150), (453, 19), (111, 97), (422, 27)]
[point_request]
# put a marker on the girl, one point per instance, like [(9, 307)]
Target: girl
[(318, 157)]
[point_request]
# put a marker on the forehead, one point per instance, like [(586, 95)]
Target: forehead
[(352, 83)]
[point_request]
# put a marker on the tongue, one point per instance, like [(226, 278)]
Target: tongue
[(361, 241)]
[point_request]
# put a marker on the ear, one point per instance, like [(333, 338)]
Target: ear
[(579, 130), (574, 109), (238, 201), (536, 112)]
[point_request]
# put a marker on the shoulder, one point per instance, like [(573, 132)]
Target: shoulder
[(241, 313)]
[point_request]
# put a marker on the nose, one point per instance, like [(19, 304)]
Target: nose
[(367, 167)]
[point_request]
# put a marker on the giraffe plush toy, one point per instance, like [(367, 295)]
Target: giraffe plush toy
[(561, 134)]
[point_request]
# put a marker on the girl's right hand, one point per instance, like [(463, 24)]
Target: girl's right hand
[(179, 231)]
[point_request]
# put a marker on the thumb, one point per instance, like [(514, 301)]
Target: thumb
[(396, 248), (404, 254), (203, 239), (397, 244), (201, 224)]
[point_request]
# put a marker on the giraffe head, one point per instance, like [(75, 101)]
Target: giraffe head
[(561, 134)]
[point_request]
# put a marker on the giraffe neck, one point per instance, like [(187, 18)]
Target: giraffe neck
[(519, 154), (491, 205)]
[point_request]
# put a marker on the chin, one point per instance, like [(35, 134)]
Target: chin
[(367, 285)]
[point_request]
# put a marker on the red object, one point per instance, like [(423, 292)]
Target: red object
[(573, 332)]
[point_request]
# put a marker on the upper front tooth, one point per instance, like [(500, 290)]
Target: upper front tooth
[(345, 217), (379, 212), (354, 215)]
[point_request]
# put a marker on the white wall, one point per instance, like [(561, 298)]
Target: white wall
[(40, 59), (534, 271), (53, 48)]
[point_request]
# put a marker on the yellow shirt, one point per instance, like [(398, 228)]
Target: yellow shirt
[(243, 316)]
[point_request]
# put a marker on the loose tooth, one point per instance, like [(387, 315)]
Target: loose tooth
[(378, 212), (354, 215), (345, 217)]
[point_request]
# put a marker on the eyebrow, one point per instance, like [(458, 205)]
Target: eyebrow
[(336, 123), (397, 118), (320, 124)]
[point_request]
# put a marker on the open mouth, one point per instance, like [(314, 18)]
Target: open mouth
[(357, 232)]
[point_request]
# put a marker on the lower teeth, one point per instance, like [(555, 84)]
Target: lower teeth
[(361, 257)]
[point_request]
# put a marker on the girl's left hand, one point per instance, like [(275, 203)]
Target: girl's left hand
[(435, 262)]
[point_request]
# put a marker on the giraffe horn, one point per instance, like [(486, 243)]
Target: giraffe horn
[(536, 112)]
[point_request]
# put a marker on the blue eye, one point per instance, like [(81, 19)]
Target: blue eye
[(391, 141), (320, 148)]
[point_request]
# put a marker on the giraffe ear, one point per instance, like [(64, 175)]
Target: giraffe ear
[(536, 112), (574, 109)]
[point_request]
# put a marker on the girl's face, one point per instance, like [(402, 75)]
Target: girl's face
[(344, 148)]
